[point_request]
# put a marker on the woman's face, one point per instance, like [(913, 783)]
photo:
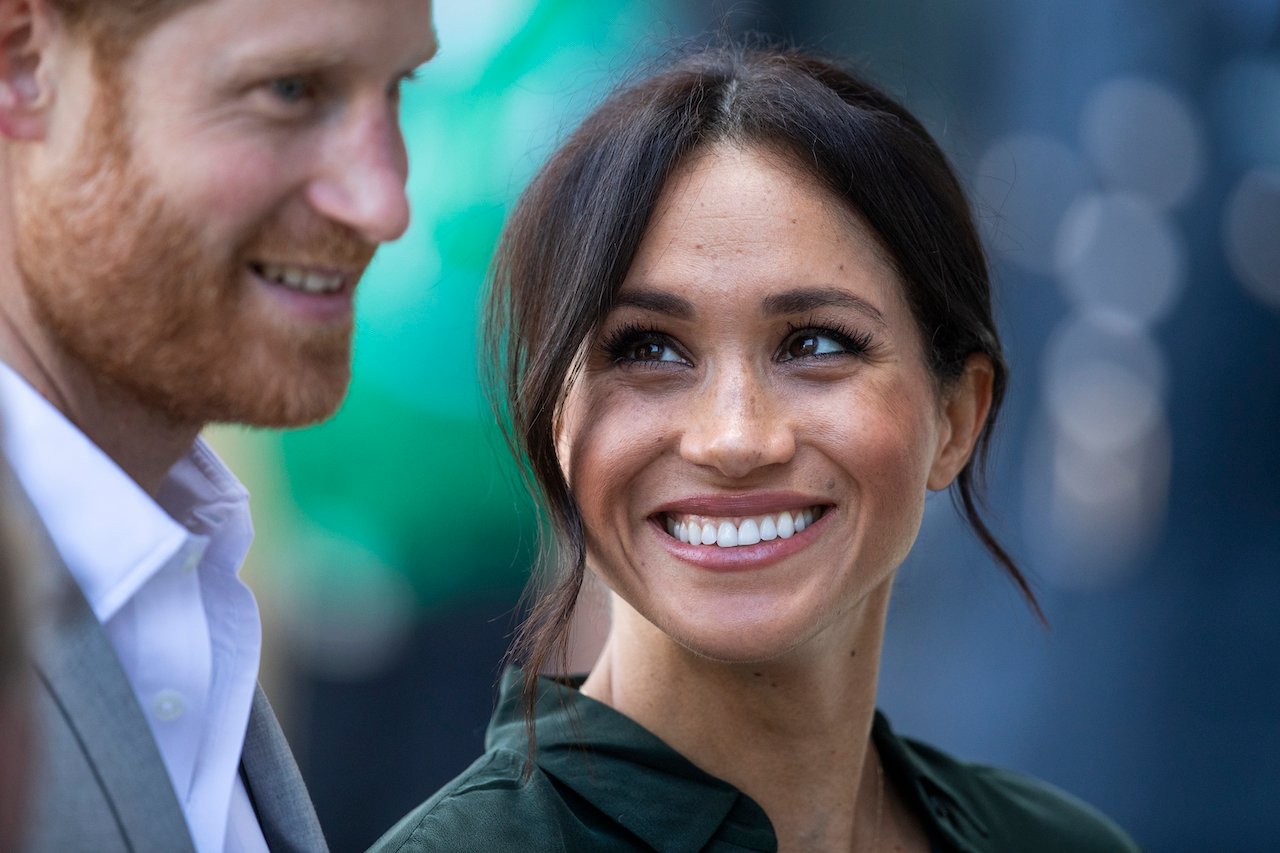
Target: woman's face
[(754, 430)]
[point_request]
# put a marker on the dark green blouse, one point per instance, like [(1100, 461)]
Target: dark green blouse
[(601, 782)]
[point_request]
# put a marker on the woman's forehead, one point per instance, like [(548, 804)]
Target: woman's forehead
[(732, 218)]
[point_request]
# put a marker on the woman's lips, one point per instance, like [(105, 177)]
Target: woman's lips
[(739, 531), (734, 556)]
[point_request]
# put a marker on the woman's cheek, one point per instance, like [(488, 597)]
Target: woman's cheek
[(611, 437)]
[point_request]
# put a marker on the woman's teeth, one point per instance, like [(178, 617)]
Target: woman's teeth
[(726, 533)]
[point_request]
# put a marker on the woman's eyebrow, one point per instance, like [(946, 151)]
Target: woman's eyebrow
[(805, 299), (656, 301)]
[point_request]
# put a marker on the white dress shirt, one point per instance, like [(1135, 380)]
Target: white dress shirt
[(162, 577)]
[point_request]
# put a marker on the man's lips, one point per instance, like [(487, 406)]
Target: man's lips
[(307, 294), (315, 279)]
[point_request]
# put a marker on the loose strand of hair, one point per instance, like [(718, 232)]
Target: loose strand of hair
[(973, 515)]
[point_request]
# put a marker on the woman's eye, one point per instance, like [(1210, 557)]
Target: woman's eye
[(808, 344), (651, 351), (633, 346), (820, 342)]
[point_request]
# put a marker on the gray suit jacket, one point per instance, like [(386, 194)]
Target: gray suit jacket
[(101, 784)]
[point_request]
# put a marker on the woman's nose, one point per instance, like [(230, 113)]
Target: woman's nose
[(736, 425)]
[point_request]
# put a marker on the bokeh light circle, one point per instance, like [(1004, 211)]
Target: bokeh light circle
[(1251, 234), (1104, 381), (1118, 253), (1143, 137)]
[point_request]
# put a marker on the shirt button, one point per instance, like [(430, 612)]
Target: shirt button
[(168, 705)]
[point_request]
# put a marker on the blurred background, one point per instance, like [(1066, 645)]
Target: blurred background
[(1124, 157)]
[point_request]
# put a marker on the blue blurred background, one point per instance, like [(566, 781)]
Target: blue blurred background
[(1124, 157)]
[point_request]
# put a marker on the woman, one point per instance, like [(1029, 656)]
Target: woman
[(742, 325)]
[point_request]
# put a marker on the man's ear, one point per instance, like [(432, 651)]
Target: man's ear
[(27, 30), (965, 406)]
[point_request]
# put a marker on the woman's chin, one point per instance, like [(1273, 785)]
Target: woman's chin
[(739, 643)]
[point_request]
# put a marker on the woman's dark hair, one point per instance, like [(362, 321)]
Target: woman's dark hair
[(572, 237)]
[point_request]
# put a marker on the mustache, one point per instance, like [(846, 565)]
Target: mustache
[(320, 243)]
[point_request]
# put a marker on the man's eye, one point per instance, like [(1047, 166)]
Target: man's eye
[(291, 90), (397, 88)]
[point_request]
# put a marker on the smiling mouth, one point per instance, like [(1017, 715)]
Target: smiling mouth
[(739, 531), (301, 279)]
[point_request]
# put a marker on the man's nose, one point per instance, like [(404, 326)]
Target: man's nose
[(736, 424), (361, 177)]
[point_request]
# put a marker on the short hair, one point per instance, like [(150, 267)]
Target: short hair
[(114, 26), (574, 233)]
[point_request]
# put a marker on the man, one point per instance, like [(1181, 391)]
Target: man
[(191, 190)]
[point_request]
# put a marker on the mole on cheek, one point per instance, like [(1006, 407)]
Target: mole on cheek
[(831, 485)]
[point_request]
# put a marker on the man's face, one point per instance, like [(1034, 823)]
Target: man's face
[(194, 225)]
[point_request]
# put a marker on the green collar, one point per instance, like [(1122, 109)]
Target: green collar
[(626, 772)]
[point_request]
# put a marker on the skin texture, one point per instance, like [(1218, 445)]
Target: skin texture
[(145, 196), (726, 397)]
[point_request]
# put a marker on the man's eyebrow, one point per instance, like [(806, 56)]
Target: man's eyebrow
[(303, 60), (656, 301), (802, 300), (290, 61)]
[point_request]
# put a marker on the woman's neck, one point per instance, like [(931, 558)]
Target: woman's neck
[(792, 733)]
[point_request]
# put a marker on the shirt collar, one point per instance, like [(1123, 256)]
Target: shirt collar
[(914, 768), (627, 773), (630, 774), (111, 534)]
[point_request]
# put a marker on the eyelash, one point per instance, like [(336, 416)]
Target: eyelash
[(852, 341), (619, 343), (405, 79), (309, 89)]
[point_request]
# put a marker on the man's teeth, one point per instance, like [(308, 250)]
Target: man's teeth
[(299, 279), (725, 533)]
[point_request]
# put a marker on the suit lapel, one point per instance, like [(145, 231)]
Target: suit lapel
[(79, 668), (285, 812)]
